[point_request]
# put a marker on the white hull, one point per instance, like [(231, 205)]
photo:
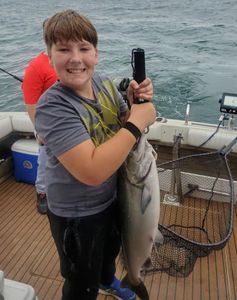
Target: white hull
[(193, 134)]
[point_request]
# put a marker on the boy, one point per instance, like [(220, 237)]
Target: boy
[(80, 119)]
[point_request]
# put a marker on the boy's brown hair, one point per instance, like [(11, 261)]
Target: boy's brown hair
[(69, 25)]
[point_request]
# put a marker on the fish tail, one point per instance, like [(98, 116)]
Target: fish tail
[(140, 289)]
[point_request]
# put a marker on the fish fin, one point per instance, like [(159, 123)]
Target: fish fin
[(145, 199), (140, 289), (159, 239), (125, 283), (147, 264)]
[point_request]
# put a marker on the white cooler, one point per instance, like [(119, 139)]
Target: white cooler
[(14, 290)]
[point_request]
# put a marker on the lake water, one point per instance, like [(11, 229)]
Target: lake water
[(190, 47)]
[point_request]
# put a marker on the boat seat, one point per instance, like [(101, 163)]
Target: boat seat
[(22, 123), (5, 126)]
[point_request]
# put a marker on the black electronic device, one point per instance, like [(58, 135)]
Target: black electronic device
[(228, 103), (139, 70)]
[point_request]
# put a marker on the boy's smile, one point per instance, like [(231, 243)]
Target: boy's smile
[(74, 62)]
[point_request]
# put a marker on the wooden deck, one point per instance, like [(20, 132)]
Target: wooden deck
[(27, 254)]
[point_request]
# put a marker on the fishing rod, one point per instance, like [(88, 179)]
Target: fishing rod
[(14, 76), (139, 71)]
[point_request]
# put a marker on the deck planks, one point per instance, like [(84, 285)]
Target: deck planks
[(28, 254)]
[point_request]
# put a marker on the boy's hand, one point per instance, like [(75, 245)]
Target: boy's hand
[(144, 90), (142, 115)]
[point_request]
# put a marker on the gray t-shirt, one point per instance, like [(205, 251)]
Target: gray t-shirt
[(58, 121)]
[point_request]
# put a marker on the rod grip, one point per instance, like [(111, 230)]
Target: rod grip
[(139, 69)]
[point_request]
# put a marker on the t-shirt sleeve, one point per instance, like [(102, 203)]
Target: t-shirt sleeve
[(59, 125), (32, 86)]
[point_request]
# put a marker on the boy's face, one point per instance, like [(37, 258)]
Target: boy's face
[(74, 62)]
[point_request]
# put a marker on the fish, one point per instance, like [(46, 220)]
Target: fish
[(139, 210)]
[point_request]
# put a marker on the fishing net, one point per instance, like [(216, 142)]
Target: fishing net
[(197, 207), (197, 204)]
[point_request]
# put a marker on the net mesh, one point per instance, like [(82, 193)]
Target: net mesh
[(196, 217)]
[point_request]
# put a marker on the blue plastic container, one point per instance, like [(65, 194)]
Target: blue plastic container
[(25, 156)]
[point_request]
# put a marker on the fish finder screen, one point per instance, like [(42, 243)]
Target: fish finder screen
[(230, 101)]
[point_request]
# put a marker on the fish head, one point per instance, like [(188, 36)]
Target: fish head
[(139, 160)]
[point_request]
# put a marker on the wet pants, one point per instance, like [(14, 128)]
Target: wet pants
[(87, 248)]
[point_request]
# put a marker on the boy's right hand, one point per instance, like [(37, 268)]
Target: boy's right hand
[(144, 90), (142, 115)]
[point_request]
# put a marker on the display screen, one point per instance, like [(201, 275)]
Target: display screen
[(230, 101)]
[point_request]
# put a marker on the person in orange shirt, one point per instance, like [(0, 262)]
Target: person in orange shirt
[(39, 76)]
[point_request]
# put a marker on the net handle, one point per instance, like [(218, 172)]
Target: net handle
[(227, 149)]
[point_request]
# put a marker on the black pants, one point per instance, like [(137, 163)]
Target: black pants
[(87, 249)]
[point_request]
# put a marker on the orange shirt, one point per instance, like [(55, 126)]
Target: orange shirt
[(39, 76)]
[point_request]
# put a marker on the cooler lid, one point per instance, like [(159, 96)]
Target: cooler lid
[(28, 146)]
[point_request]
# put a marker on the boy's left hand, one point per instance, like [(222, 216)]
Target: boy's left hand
[(144, 90)]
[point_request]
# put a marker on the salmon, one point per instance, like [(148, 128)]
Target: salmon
[(139, 202)]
